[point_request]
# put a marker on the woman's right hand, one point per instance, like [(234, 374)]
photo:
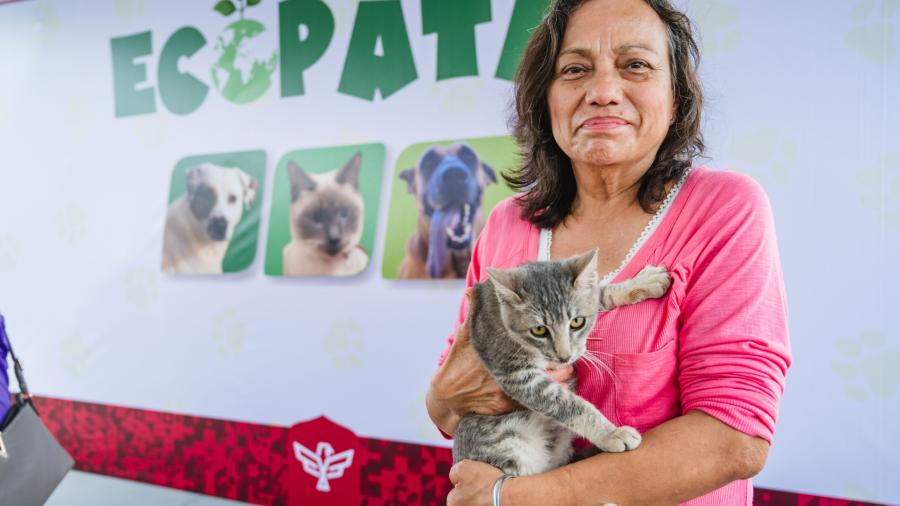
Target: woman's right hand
[(462, 385)]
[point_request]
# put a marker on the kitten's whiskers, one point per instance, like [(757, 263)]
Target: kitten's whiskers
[(598, 364)]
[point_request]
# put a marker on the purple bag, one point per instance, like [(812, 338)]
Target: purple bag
[(4, 379), (32, 462)]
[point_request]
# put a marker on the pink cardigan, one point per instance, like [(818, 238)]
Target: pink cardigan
[(716, 342)]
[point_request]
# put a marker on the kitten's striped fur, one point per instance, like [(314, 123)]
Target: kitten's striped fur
[(504, 310)]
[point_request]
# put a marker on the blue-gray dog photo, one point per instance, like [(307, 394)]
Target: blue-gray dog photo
[(448, 184)]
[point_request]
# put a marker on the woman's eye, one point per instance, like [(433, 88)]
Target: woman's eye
[(539, 331), (572, 71), (576, 323), (638, 65)]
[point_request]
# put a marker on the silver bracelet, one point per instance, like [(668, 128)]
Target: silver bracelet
[(495, 497)]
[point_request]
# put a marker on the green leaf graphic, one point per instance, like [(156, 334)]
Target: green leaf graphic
[(225, 7), (251, 3)]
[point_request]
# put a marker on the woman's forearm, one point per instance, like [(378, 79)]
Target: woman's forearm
[(679, 460)]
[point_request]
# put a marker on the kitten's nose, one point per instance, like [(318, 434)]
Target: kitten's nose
[(333, 246), (563, 351)]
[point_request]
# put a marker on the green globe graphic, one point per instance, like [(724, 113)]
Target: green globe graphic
[(244, 67)]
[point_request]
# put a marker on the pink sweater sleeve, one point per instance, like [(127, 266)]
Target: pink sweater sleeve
[(733, 345)]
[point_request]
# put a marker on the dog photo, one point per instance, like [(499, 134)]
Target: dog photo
[(212, 221), (439, 204), (324, 203)]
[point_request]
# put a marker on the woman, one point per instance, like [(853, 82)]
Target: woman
[(608, 114)]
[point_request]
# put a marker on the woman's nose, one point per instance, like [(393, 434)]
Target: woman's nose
[(603, 87)]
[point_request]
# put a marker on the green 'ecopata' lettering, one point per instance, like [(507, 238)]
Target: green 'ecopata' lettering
[(366, 71), (299, 54)]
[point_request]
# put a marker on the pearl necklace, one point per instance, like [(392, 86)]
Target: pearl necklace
[(645, 234)]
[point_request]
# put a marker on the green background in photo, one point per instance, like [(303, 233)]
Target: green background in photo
[(242, 247), (498, 152), (317, 161)]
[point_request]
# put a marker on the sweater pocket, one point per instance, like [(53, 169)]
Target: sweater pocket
[(646, 387)]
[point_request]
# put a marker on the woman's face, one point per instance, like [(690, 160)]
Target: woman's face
[(611, 98)]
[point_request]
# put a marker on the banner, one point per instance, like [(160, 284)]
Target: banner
[(259, 212)]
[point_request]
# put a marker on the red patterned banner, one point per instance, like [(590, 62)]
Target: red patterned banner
[(316, 462)]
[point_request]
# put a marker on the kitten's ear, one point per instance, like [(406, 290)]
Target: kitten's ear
[(584, 269), (505, 284), (300, 180), (349, 174), (409, 175)]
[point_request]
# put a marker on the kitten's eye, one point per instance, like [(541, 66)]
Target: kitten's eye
[(232, 198), (318, 216), (344, 213), (539, 331), (577, 322)]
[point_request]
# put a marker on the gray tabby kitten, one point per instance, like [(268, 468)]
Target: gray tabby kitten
[(522, 321)]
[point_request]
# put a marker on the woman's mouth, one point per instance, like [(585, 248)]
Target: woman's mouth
[(604, 123)]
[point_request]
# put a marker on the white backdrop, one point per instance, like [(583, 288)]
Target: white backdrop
[(801, 95)]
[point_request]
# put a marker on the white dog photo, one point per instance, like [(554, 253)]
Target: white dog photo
[(201, 223)]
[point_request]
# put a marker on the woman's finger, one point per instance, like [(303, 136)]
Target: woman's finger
[(562, 374), (454, 474), (462, 332)]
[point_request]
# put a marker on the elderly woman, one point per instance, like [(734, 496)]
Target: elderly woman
[(608, 117)]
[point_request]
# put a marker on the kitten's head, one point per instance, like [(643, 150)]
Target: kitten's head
[(550, 306), (327, 209)]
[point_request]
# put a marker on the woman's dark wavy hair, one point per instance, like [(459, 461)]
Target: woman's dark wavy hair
[(546, 173)]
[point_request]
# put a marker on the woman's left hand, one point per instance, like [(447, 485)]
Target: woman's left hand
[(473, 483)]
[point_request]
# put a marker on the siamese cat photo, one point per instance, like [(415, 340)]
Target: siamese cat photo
[(326, 221)]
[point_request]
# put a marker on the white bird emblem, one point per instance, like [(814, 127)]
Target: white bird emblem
[(324, 464)]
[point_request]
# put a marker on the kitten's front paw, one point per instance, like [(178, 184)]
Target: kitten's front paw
[(653, 281), (621, 439)]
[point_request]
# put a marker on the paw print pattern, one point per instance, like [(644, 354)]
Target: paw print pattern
[(867, 365), (141, 287), (71, 223), (423, 425), (718, 22), (128, 9), (874, 33), (344, 344), (45, 16), (350, 135), (859, 492), (229, 332), (461, 97), (765, 155), (879, 186), (75, 355), (9, 253)]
